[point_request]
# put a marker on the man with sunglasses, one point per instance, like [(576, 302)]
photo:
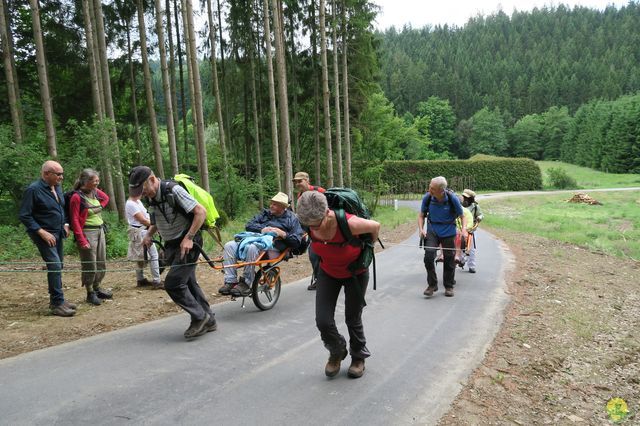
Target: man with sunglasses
[(42, 213)]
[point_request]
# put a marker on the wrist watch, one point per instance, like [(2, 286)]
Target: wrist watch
[(190, 236)]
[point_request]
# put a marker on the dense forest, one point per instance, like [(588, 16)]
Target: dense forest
[(243, 93), (548, 84)]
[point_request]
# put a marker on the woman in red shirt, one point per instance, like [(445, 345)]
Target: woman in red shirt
[(329, 243)]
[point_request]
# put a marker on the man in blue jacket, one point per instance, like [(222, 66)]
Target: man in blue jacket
[(441, 208), (278, 221), (42, 213)]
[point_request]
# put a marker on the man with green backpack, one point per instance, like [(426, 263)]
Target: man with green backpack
[(178, 217)]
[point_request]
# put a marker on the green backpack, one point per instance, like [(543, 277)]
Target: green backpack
[(199, 194), (346, 200), (202, 197)]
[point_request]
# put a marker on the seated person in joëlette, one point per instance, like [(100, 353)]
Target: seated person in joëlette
[(274, 229)]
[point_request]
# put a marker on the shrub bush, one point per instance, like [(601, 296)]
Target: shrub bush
[(560, 179), (487, 173)]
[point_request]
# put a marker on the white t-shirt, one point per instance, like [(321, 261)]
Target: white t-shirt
[(133, 207)]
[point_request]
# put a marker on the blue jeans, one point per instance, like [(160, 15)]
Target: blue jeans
[(53, 257)]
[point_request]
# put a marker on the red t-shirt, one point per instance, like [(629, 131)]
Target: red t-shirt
[(313, 188), (335, 259)]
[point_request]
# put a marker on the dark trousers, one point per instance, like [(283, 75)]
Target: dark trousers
[(449, 264), (327, 294), (315, 262), (180, 282), (53, 256)]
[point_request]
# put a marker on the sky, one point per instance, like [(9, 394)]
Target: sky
[(419, 13)]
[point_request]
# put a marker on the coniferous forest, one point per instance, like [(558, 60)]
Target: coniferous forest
[(244, 93), (554, 83)]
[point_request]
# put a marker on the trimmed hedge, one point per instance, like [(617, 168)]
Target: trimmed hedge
[(486, 173)]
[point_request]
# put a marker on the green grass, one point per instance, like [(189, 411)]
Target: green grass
[(589, 178), (613, 228), (389, 218)]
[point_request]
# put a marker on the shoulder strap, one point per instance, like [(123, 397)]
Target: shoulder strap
[(341, 217)]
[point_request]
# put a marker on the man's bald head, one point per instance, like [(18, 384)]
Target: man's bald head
[(52, 172)]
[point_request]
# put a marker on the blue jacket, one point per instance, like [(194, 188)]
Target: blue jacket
[(288, 222), (40, 209)]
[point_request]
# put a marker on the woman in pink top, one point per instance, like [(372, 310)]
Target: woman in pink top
[(336, 255)]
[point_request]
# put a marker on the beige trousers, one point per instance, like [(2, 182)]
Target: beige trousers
[(93, 259)]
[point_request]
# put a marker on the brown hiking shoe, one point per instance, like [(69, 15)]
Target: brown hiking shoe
[(69, 305), (197, 327), (356, 369), (143, 283), (448, 292), (429, 291), (61, 311), (225, 290), (333, 365)]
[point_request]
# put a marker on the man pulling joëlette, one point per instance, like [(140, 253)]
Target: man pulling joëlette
[(179, 233)]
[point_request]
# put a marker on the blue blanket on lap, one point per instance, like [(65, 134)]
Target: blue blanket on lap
[(262, 241)]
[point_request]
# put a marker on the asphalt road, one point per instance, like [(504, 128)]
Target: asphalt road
[(267, 368)]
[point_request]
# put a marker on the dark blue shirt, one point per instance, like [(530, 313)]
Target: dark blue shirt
[(40, 209), (288, 222), (441, 219)]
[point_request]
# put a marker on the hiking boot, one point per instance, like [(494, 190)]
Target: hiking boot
[(242, 289), (157, 285), (143, 283), (69, 305), (313, 284), (472, 270), (225, 290), (61, 311), (197, 327), (429, 291), (356, 369), (212, 325), (449, 292), (93, 298), (333, 365), (104, 294)]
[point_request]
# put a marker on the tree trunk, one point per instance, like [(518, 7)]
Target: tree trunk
[(43, 79), (166, 88), (283, 102), (191, 87), (345, 96), (183, 101), (172, 74), (272, 96), (216, 94), (256, 129), (325, 95), (294, 95), (148, 90), (134, 98), (108, 103), (197, 95), (223, 77), (316, 95), (15, 103), (97, 97), (336, 89)]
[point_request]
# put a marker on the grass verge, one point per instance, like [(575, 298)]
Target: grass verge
[(612, 228), (589, 178)]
